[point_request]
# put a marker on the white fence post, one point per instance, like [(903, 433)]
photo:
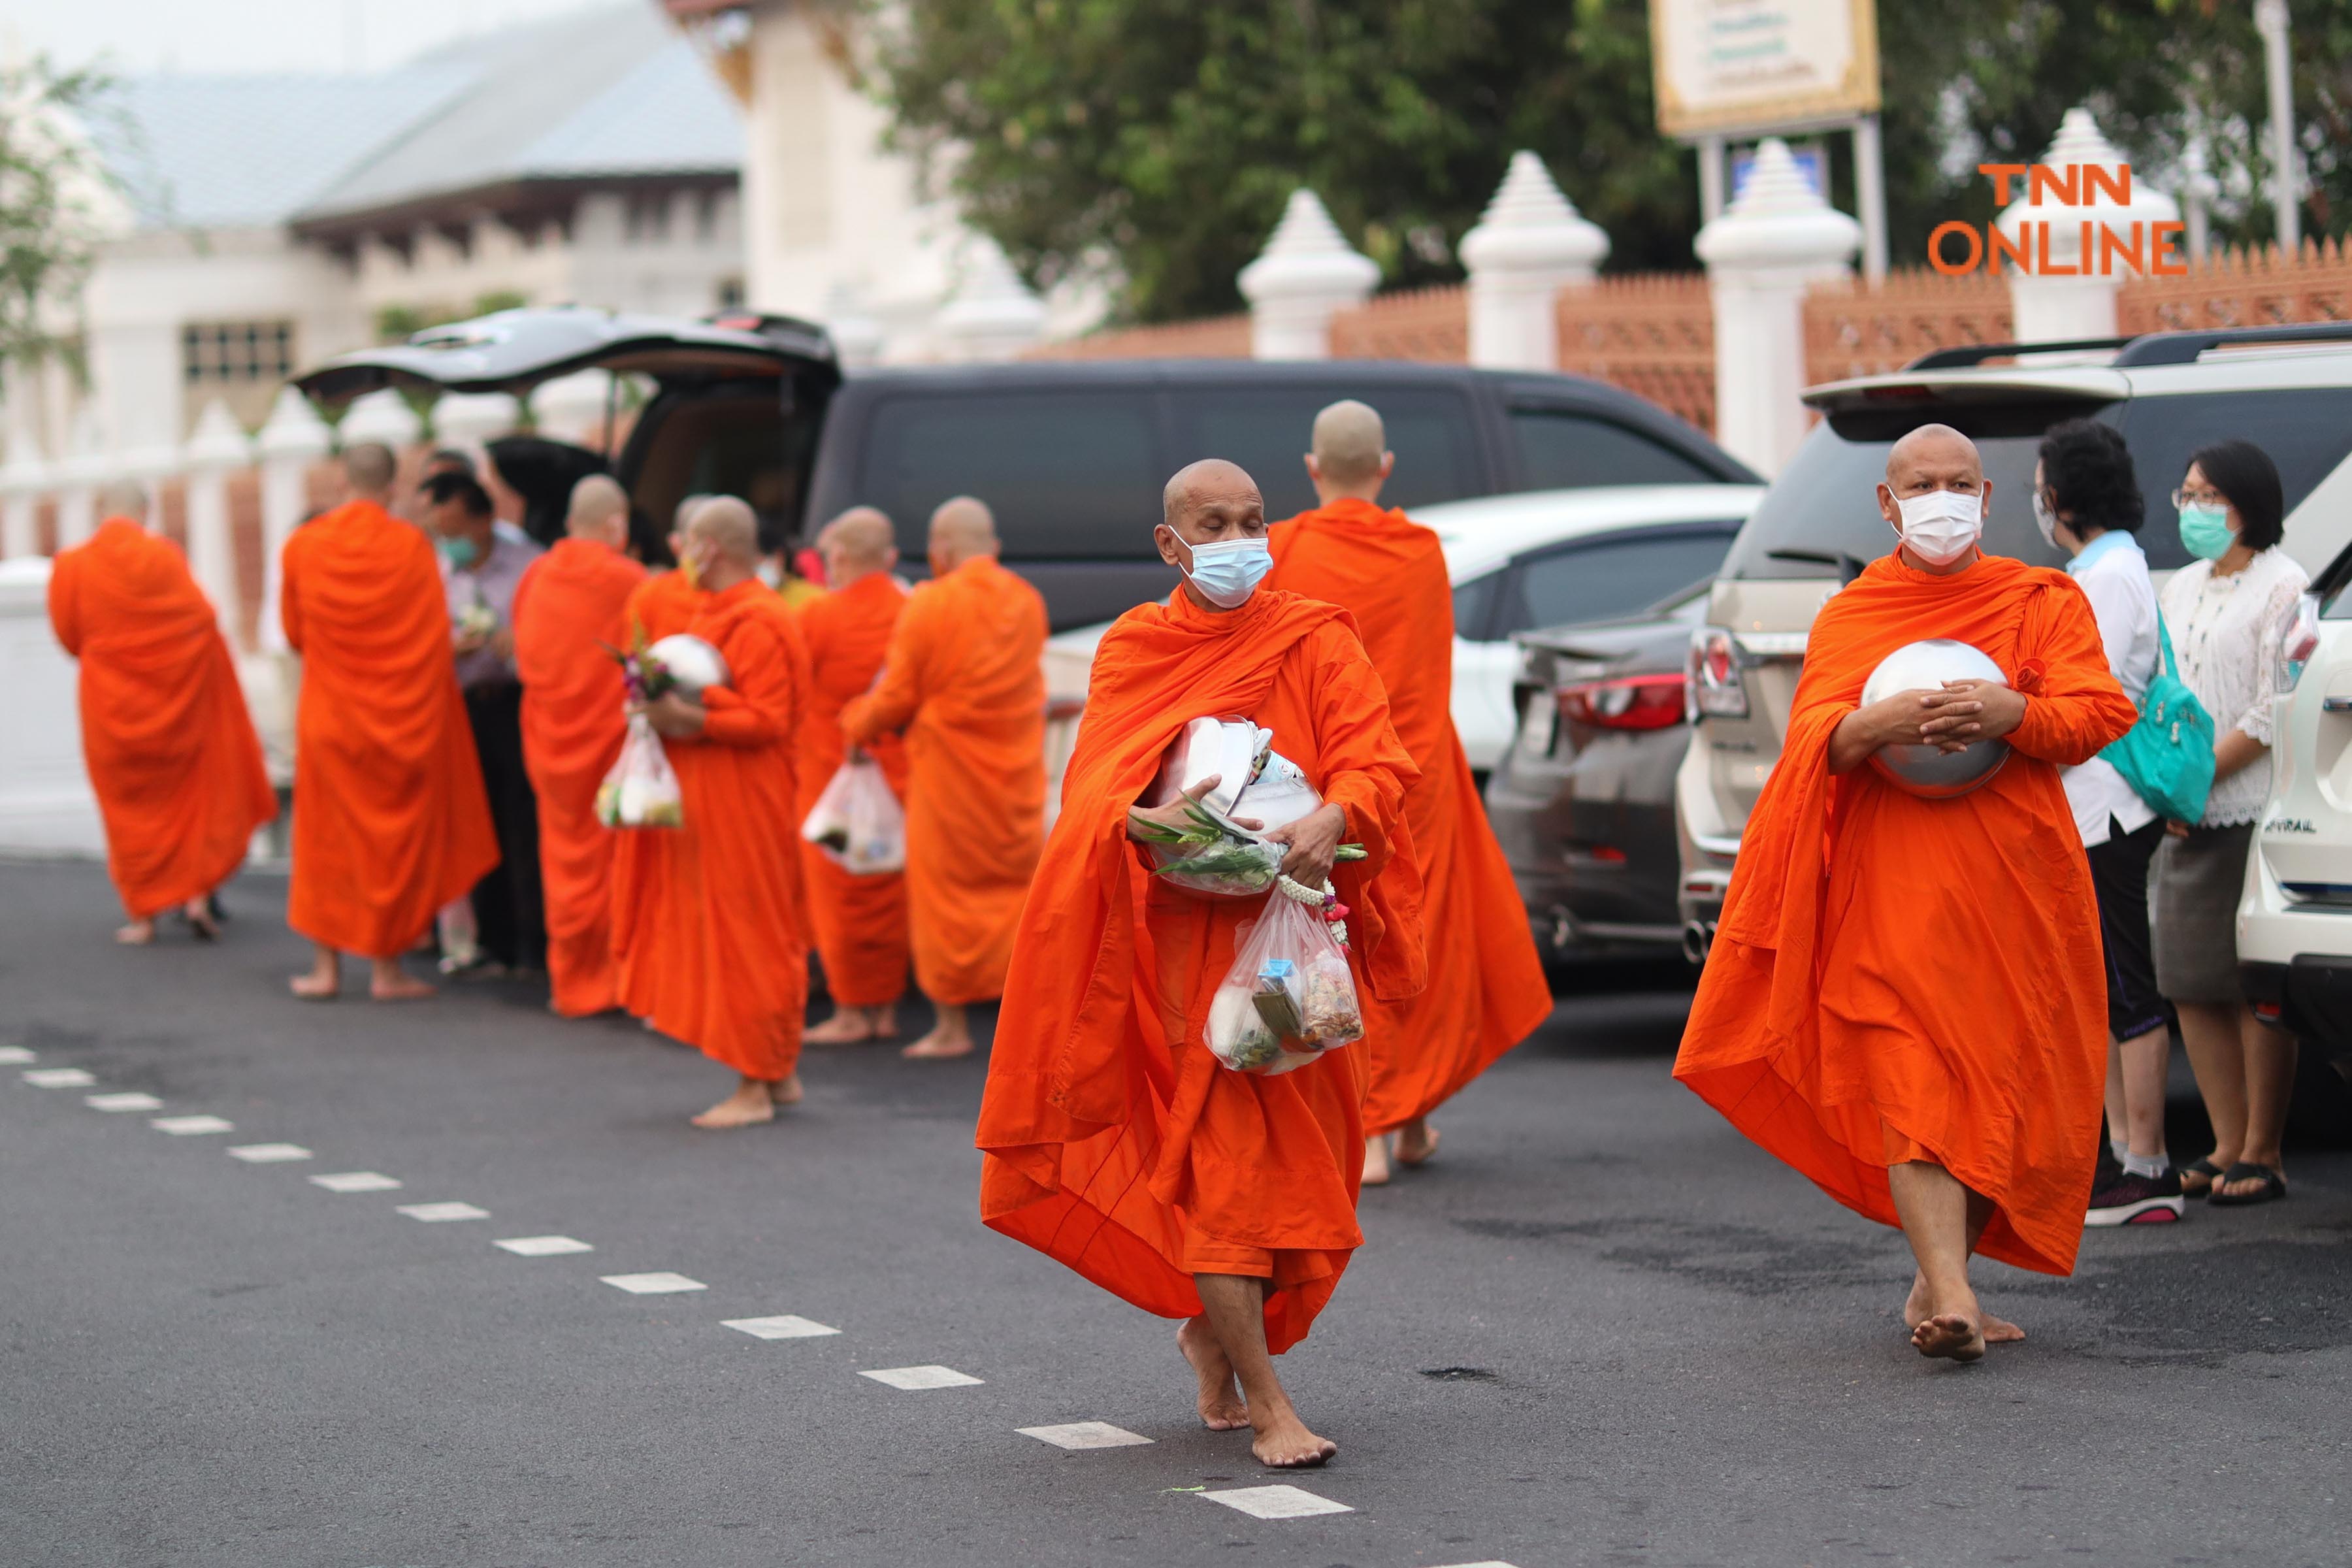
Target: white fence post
[(992, 315), (2047, 309), (1530, 244), (1767, 249), (293, 438), (1307, 274), (383, 416), (216, 446), (22, 482)]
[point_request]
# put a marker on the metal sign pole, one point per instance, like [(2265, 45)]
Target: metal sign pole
[(1870, 196), (2270, 20)]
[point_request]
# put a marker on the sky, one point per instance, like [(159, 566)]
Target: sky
[(213, 36)]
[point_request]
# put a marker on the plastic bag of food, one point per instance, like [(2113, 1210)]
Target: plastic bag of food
[(1288, 997), (857, 821), (641, 791)]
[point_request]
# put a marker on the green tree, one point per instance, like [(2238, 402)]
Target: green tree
[(52, 185)]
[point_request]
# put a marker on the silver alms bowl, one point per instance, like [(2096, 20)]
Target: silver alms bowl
[(1927, 771), (692, 662)]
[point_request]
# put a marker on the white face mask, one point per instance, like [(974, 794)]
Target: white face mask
[(2045, 520), (1942, 525)]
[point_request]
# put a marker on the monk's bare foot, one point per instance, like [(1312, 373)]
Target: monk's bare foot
[(1376, 1161), (325, 979), (753, 1102), (1915, 1311), (1416, 1143), (1284, 1443), (199, 916), (390, 983), (785, 1091), (2001, 1332), (1915, 1305), (1951, 1336), (1222, 1406), (939, 1046), (138, 934), (849, 1027)]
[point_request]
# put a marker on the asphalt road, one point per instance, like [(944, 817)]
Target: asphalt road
[(1601, 1329)]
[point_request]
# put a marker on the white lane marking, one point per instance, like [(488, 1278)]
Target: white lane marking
[(15, 1056), (1084, 1434), (921, 1377), (189, 1126), (542, 1246), (783, 1326), (122, 1102), (1497, 1563), (439, 1213), (656, 1284), (356, 1182), (269, 1153), (1276, 1502), (60, 1078)]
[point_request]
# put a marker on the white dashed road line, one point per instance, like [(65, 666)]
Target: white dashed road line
[(122, 1102), (922, 1377), (658, 1284), (269, 1154), (1276, 1502), (441, 1214), (542, 1246), (1495, 1563), (15, 1056), (1084, 1434), (58, 1078), (783, 1327), (190, 1126), (355, 1182)]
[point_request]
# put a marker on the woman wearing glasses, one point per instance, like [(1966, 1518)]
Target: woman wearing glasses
[(2229, 611)]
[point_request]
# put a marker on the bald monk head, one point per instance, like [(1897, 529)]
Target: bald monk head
[(123, 497), (368, 470), (858, 543), (723, 540), (599, 512), (1935, 475), (1214, 505), (962, 530), (678, 518), (1351, 457)]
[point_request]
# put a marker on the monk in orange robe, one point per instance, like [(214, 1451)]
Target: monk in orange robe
[(728, 895), (1115, 1141), (859, 920), (1486, 990), (390, 818), (1906, 996), (965, 678), (570, 612), (165, 734)]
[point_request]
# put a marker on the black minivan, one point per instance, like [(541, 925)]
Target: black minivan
[(1070, 454)]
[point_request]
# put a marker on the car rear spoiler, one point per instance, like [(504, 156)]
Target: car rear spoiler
[(2144, 348)]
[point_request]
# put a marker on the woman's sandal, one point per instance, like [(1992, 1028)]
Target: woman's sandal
[(2206, 1171), (2272, 1188)]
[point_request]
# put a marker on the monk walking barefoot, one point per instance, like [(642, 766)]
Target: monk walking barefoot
[(950, 1035), (1906, 999), (1114, 1140), (391, 821), (854, 1026)]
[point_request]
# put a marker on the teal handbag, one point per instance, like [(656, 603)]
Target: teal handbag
[(2168, 756)]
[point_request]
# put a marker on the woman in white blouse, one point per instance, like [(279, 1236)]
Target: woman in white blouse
[(2229, 612)]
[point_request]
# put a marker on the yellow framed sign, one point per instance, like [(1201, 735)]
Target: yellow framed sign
[(1747, 67)]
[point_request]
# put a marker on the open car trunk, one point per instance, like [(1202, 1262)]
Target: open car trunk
[(736, 407)]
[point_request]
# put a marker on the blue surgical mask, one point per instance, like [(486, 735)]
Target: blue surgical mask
[(2205, 531), (1229, 571), (459, 551)]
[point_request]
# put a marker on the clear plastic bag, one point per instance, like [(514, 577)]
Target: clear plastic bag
[(857, 821), (1288, 997), (641, 791)]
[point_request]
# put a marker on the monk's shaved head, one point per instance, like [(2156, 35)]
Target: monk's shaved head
[(1350, 443), (862, 536), (731, 529), (962, 530), (599, 510), (369, 466), (1211, 480), (1937, 447), (123, 497)]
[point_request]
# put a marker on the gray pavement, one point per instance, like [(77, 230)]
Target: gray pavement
[(1602, 1328)]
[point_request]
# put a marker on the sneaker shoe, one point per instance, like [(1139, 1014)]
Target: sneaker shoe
[(2136, 1200)]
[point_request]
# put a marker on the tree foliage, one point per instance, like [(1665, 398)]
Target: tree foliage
[(1156, 141), (51, 182)]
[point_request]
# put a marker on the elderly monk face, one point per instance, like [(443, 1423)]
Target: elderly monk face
[(1209, 502), (1932, 458)]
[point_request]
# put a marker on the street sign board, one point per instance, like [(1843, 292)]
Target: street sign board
[(1747, 68)]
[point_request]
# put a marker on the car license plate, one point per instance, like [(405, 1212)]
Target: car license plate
[(1536, 730)]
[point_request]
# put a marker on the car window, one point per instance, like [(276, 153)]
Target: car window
[(1473, 602), (1608, 578), (1070, 475), (1268, 431), (1559, 450), (2305, 431)]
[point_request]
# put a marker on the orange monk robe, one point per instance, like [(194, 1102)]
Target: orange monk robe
[(170, 746), (1115, 1141), (1897, 978), (732, 943), (570, 613), (859, 921), (390, 818), (1486, 990), (660, 606), (965, 678)]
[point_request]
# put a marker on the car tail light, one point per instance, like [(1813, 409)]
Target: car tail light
[(1635, 702), (1714, 676), (2302, 640)]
